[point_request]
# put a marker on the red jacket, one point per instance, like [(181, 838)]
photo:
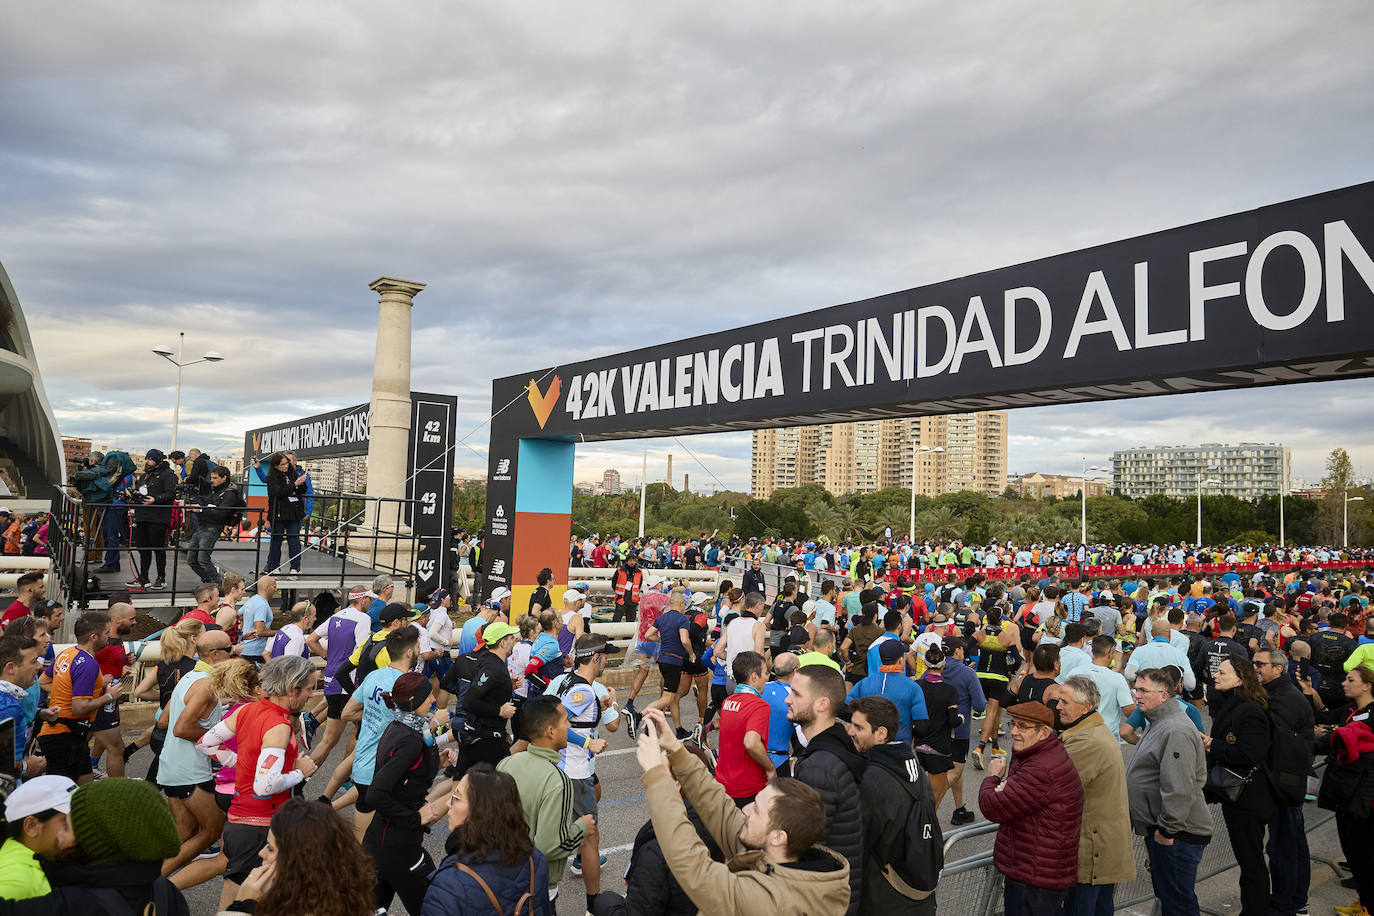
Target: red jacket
[(1040, 810)]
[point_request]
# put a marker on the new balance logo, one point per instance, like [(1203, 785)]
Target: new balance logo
[(503, 466), (498, 567)]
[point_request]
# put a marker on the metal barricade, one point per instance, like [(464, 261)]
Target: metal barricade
[(972, 885)]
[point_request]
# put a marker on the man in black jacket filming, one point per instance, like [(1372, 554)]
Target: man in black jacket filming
[(151, 500)]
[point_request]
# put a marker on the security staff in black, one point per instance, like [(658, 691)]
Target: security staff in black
[(488, 700), (1330, 649)]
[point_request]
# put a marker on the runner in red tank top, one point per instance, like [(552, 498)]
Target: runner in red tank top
[(267, 766)]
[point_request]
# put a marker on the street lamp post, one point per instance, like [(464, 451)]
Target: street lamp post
[(211, 356), (915, 449), (1282, 542), (1200, 481), (643, 486), (1345, 519), (1083, 496)]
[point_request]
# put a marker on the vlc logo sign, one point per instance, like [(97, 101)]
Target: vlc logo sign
[(542, 404)]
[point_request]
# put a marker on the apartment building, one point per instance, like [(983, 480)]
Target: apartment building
[(1247, 470), (939, 454)]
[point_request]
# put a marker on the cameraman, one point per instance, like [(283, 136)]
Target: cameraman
[(152, 502), (219, 507)]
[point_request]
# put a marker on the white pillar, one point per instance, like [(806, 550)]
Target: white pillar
[(389, 423)]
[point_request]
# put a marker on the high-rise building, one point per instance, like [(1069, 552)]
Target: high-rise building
[(1247, 470), (339, 475), (610, 483), (939, 454)]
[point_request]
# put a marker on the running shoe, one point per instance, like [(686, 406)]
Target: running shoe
[(312, 725), (210, 852), (632, 723), (978, 757), (697, 735), (682, 734), (997, 751), (159, 585), (129, 750), (136, 584), (962, 816), (575, 865)]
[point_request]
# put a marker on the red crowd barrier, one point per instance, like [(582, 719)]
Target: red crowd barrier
[(939, 574)]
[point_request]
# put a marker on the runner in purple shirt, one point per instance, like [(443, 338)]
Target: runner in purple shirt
[(345, 630)]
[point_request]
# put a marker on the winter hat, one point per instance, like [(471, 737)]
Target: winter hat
[(124, 820), (155, 455)]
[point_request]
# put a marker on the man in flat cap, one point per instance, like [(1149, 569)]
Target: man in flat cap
[(1038, 801)]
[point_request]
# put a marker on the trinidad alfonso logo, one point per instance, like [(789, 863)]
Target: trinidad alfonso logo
[(543, 404)]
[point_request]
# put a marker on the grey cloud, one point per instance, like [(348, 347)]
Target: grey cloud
[(592, 178)]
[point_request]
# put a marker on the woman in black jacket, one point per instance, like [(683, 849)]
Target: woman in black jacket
[(935, 735), (407, 762), (1239, 742), (285, 509), (1348, 786)]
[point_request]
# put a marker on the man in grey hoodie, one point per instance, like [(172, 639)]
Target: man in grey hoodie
[(1164, 785)]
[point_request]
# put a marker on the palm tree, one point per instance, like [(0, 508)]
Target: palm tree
[(938, 522)]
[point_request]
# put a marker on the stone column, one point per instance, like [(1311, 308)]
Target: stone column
[(389, 426)]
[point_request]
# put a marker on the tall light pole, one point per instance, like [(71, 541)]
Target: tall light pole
[(1083, 495), (915, 450), (165, 352), (643, 487), (1282, 542), (1345, 519), (1200, 482)]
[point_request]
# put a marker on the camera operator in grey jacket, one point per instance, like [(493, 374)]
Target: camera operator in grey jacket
[(1164, 786)]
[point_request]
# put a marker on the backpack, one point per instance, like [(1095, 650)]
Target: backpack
[(1288, 763), (523, 907), (167, 901), (917, 844)]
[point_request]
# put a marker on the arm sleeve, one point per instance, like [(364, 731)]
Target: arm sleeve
[(269, 779), (344, 676)]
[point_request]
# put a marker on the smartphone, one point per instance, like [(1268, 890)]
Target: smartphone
[(651, 729), (1305, 668), (8, 747)]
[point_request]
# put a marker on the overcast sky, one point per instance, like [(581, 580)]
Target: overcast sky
[(573, 180)]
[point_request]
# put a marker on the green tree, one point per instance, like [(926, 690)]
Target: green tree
[(1340, 474)]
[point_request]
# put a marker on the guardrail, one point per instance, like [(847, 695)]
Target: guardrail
[(975, 877)]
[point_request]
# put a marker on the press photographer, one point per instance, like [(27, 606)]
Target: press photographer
[(151, 500)]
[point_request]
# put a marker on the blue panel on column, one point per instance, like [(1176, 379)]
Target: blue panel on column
[(545, 482)]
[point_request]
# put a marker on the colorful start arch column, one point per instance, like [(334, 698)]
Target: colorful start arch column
[(1276, 295)]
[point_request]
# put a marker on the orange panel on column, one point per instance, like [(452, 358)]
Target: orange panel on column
[(541, 539)]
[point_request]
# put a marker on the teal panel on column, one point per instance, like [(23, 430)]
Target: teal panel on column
[(545, 480)]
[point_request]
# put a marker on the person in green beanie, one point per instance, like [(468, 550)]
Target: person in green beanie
[(122, 830)]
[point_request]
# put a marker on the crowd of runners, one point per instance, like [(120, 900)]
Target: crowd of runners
[(830, 721)]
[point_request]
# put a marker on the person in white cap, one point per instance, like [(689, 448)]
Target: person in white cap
[(575, 622), (38, 828)]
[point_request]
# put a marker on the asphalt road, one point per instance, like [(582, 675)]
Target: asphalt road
[(622, 813)]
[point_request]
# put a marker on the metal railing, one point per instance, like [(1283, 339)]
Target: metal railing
[(333, 528), (976, 885)]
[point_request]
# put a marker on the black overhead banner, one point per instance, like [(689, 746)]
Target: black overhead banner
[(433, 428), (336, 434), (1280, 294)]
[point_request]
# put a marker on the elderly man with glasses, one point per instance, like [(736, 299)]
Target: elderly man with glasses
[(1289, 871), (1164, 788)]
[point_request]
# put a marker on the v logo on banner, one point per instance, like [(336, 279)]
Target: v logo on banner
[(543, 404)]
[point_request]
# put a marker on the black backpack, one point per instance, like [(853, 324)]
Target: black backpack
[(917, 844), (1288, 763)]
